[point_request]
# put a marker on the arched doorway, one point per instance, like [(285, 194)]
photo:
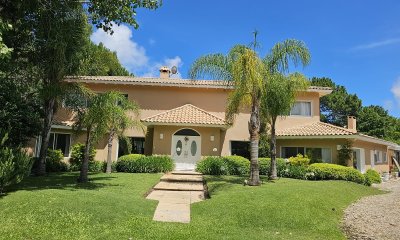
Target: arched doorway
[(186, 149)]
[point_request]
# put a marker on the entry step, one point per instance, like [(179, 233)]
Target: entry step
[(185, 173), (178, 186), (182, 178)]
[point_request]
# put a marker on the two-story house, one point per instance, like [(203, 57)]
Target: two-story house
[(185, 119)]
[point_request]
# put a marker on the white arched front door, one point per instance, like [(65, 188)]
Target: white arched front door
[(186, 149)]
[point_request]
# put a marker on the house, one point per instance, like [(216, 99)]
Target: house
[(186, 119)]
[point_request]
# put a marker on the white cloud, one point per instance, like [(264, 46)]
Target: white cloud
[(396, 90), (131, 54), (377, 44)]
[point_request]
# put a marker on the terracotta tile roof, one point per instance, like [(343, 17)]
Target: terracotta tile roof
[(186, 114), (150, 81), (175, 82), (314, 129)]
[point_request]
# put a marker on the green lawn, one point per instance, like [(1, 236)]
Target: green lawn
[(114, 207)]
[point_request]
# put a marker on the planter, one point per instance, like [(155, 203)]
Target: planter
[(385, 177)]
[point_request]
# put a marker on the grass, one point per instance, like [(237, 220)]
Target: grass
[(114, 207)]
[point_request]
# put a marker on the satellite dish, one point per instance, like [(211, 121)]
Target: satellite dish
[(174, 70)]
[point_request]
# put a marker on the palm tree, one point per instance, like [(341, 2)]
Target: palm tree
[(119, 119), (243, 69), (279, 97)]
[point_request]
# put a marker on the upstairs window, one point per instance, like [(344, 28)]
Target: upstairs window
[(301, 109)]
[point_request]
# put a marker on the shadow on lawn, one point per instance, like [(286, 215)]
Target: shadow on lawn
[(63, 181), (217, 183)]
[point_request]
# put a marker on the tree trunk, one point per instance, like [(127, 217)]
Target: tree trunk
[(49, 112), (273, 173), (83, 177), (109, 145), (254, 129)]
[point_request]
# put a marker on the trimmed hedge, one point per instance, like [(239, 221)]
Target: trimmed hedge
[(136, 163), (372, 176), (299, 160), (228, 165), (328, 171), (265, 165)]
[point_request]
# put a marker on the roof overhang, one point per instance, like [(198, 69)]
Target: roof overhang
[(151, 124), (360, 137)]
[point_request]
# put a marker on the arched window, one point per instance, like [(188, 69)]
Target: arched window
[(187, 132)]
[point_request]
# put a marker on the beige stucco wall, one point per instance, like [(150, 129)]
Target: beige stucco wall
[(163, 146), (333, 143)]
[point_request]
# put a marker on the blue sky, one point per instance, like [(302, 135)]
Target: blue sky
[(356, 43)]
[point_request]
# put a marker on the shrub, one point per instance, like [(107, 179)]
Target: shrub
[(15, 164), (299, 160), (265, 166), (54, 161), (96, 166), (113, 166), (345, 154), (296, 171), (236, 165), (136, 163), (327, 171), (372, 176), (77, 155), (212, 165)]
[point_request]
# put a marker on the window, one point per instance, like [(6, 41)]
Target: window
[(75, 100), (380, 157), (240, 148), (60, 141), (301, 109), (288, 152), (137, 145), (319, 154)]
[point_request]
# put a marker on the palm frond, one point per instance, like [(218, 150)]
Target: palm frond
[(215, 66), (283, 53)]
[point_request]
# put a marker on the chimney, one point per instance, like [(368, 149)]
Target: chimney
[(165, 72), (352, 123)]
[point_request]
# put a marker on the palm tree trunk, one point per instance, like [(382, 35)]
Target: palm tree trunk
[(273, 173), (83, 177), (110, 143), (254, 129), (49, 112)]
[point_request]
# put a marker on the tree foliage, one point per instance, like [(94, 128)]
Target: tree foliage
[(97, 60), (335, 107)]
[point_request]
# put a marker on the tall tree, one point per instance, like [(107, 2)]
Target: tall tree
[(119, 119), (277, 64), (97, 60), (278, 100), (335, 107), (242, 69)]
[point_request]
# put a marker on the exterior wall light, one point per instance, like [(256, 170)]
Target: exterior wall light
[(212, 138), (215, 149), (161, 135)]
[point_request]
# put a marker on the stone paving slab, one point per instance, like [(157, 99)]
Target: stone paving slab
[(172, 212), (186, 173), (180, 186), (175, 197), (182, 178)]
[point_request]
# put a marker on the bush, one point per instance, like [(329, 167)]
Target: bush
[(54, 161), (113, 166), (327, 171), (265, 165), (296, 171), (77, 155), (96, 166), (299, 160), (15, 164), (136, 163), (372, 176), (212, 165), (236, 165)]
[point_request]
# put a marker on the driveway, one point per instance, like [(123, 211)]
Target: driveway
[(375, 217)]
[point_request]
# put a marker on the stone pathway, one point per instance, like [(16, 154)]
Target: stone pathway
[(375, 217), (175, 192)]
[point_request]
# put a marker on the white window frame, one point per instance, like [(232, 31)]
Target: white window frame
[(302, 116)]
